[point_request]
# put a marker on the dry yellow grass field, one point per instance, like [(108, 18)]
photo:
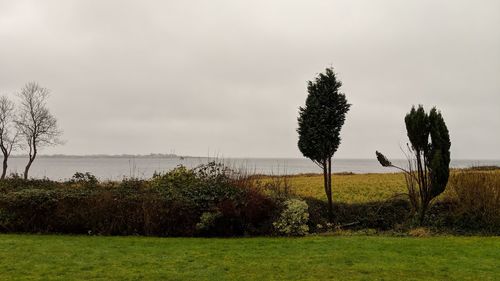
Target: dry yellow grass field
[(351, 188), (354, 188)]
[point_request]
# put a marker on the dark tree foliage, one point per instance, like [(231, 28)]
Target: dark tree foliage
[(429, 163), (320, 122), (383, 160), (439, 153)]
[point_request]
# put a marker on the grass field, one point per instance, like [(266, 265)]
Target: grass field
[(355, 188), (35, 257)]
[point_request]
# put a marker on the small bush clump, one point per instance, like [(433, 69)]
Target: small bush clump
[(86, 179), (207, 221), (293, 219)]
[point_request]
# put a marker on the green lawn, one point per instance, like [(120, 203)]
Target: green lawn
[(35, 257)]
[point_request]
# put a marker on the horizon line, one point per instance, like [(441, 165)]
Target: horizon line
[(173, 155)]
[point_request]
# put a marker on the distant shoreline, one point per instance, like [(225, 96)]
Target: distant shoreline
[(175, 156), (106, 156)]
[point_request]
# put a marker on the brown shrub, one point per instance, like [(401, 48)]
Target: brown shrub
[(419, 232), (476, 198)]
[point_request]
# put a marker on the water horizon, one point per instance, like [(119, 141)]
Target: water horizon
[(117, 167)]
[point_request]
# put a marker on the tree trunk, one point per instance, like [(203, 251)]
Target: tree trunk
[(5, 158), (423, 210), (325, 178), (327, 190), (32, 156), (421, 183), (330, 199), (4, 170), (26, 170), (423, 187)]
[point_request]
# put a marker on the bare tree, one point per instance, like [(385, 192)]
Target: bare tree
[(8, 132), (37, 126)]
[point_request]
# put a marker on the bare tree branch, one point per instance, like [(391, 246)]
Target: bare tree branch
[(36, 125), (8, 132)]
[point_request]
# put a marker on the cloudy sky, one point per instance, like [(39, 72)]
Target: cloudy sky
[(227, 77)]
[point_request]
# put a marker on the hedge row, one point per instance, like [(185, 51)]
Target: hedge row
[(214, 201), (117, 211), (168, 205), (148, 211)]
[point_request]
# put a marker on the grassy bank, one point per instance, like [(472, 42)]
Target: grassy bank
[(28, 257)]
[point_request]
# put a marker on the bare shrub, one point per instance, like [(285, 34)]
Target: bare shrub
[(279, 186)]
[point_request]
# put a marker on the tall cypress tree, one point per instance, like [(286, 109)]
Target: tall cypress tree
[(430, 147), (320, 122)]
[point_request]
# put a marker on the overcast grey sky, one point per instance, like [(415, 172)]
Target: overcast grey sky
[(228, 76)]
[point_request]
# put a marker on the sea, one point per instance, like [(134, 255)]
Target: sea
[(119, 167)]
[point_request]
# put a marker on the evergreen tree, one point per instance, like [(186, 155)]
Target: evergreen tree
[(429, 166), (320, 122)]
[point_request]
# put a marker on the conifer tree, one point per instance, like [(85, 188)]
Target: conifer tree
[(320, 122)]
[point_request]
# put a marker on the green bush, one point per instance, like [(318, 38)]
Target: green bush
[(176, 179), (207, 221), (17, 183), (241, 207), (293, 219), (86, 179), (204, 186)]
